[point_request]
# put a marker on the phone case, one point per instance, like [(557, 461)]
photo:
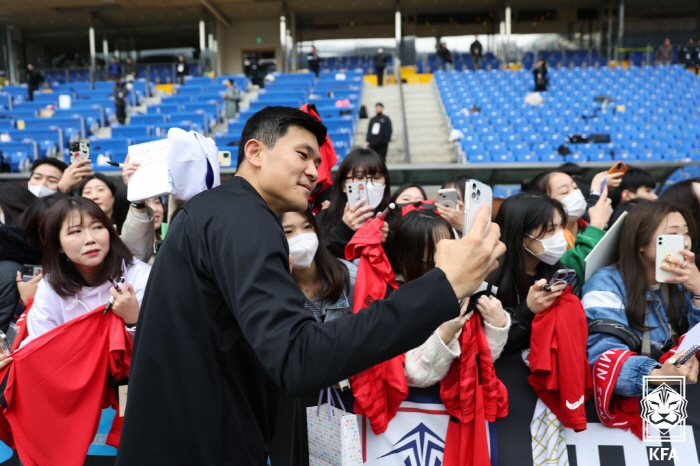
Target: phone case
[(355, 192), (667, 246), (617, 168), (82, 152), (562, 276), (448, 198), (224, 158), (476, 195)]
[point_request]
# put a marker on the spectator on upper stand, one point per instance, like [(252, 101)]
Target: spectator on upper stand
[(231, 99), (446, 56), (379, 131), (685, 54), (664, 54), (696, 55), (540, 73), (379, 65), (181, 70), (119, 92), (34, 80), (129, 67), (114, 69), (477, 51), (314, 61)]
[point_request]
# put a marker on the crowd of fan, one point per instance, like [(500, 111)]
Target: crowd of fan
[(79, 226)]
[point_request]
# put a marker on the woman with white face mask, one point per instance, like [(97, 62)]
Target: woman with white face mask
[(341, 220), (585, 219), (328, 283), (532, 229)]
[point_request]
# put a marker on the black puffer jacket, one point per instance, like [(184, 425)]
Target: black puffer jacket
[(14, 252)]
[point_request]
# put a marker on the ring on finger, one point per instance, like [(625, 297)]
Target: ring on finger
[(685, 262)]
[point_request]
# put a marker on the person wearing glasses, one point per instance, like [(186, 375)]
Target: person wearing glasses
[(379, 132), (341, 220)]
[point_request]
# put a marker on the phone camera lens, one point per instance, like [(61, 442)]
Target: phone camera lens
[(473, 195), (478, 192)]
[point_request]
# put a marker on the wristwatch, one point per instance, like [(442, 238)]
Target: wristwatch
[(138, 205)]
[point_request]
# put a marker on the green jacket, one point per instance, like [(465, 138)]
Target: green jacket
[(575, 258)]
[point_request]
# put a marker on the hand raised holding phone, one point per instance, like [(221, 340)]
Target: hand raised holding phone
[(467, 261)]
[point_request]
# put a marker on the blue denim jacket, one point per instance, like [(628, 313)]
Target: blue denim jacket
[(343, 305), (604, 296)]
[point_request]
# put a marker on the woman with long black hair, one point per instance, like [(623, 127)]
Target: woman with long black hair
[(341, 220)]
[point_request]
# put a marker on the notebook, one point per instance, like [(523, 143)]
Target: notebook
[(603, 252), (152, 178)]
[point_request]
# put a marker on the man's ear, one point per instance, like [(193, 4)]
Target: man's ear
[(253, 152), (626, 195)]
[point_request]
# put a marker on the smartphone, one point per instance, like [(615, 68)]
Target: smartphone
[(448, 197), (476, 194), (561, 277), (667, 247), (30, 271), (79, 151), (355, 192), (224, 158), (618, 167), (603, 184)]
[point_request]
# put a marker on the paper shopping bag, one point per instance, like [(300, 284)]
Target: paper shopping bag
[(334, 437)]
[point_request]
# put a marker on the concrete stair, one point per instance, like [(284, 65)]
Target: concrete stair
[(427, 132), (390, 97)]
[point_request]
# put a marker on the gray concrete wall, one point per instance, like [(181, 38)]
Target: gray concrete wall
[(242, 36)]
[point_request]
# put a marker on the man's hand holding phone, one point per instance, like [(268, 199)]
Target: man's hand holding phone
[(467, 261), (74, 175)]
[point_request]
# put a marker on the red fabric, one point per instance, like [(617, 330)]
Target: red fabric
[(21, 323), (380, 389), (472, 394), (328, 159), (57, 387), (615, 410), (420, 205), (561, 375)]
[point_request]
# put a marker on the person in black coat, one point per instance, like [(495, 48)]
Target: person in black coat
[(379, 132), (380, 64), (540, 73), (181, 70), (477, 51), (119, 92), (223, 332), (314, 61), (685, 54), (34, 80)]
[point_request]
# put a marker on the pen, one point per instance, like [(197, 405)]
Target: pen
[(687, 355), (110, 303), (115, 164), (386, 211)]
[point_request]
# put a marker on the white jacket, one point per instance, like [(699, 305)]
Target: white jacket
[(429, 363), (50, 310)]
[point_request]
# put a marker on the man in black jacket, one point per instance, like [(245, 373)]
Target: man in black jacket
[(685, 54), (34, 80), (314, 61), (380, 64), (477, 51), (223, 331), (379, 132), (119, 92)]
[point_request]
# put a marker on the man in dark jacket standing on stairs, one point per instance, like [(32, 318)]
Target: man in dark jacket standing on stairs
[(379, 132), (380, 64)]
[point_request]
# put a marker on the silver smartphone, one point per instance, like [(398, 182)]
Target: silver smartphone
[(476, 194), (355, 192), (667, 247), (447, 197)]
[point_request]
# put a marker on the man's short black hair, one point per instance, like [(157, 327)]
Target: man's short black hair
[(51, 161), (632, 180), (272, 123)]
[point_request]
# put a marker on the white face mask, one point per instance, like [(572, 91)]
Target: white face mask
[(554, 248), (375, 194), (39, 190), (574, 205), (303, 249), (2, 218)]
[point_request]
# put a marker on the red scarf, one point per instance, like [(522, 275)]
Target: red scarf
[(380, 389), (472, 394), (561, 375), (328, 159), (419, 205), (615, 410), (57, 387)]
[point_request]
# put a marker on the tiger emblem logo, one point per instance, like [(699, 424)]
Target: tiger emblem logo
[(664, 408)]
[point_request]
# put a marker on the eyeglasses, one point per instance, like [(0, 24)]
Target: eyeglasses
[(377, 179)]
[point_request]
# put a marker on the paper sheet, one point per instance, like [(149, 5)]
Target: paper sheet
[(603, 252), (152, 178)]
